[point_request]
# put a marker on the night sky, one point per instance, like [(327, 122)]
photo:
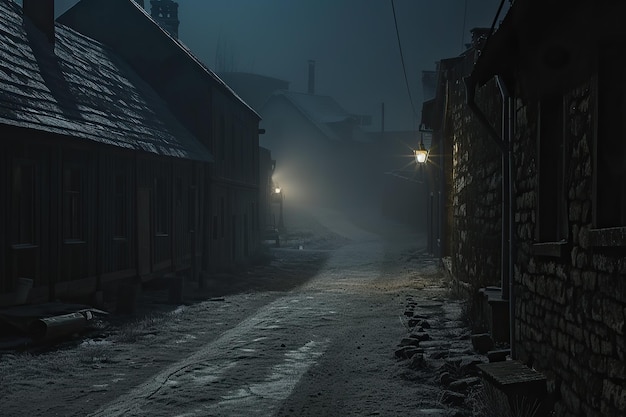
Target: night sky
[(353, 43)]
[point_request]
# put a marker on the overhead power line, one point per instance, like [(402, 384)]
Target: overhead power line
[(406, 79)]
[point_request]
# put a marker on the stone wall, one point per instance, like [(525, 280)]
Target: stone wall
[(569, 308), (476, 187)]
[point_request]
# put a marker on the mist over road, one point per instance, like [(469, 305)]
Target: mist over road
[(325, 347)]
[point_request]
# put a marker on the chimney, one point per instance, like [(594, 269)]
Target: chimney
[(311, 76), (165, 13), (41, 13)]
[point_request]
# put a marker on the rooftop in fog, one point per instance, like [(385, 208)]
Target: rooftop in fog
[(323, 111)]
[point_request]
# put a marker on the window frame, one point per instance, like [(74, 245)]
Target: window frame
[(74, 203), (22, 217), (551, 227)]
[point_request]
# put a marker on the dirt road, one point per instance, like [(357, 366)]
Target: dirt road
[(313, 333)]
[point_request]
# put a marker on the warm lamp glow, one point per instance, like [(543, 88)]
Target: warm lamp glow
[(421, 156), (277, 190)]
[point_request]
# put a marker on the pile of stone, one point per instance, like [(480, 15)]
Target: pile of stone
[(440, 346)]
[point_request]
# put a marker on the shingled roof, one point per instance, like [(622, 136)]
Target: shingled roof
[(170, 68), (78, 87)]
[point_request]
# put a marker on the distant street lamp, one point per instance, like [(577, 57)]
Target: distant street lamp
[(279, 197)]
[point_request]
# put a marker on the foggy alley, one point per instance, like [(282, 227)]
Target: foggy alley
[(325, 347), (312, 208)]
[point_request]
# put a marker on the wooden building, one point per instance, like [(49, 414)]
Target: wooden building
[(206, 106), (113, 169), (99, 181)]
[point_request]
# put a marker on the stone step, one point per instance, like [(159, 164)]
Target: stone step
[(515, 380)]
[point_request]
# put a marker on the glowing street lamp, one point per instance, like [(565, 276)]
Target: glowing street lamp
[(279, 197), (421, 154)]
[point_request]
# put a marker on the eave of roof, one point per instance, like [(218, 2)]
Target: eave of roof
[(534, 31)]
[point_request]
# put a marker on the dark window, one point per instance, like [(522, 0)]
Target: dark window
[(222, 216), (191, 207), (121, 205), (160, 206), (179, 191), (232, 147), (610, 181), (552, 212), (23, 219), (221, 138), (73, 204), (214, 227)]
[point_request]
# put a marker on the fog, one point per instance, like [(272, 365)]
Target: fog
[(357, 63), (353, 43)]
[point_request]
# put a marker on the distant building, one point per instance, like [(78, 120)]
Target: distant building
[(319, 145), (254, 89)]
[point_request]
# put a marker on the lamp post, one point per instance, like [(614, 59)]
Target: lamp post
[(278, 196), (421, 154)]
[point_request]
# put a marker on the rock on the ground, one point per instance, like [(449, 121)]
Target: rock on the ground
[(417, 361), (462, 385), (452, 398)]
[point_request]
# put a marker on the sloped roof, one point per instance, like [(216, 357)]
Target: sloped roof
[(322, 111), (163, 61), (80, 88)]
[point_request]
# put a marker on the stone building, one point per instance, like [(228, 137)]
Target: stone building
[(464, 175), (560, 68)]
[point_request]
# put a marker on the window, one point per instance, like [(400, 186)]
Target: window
[(73, 204), (232, 148), (24, 203), (191, 207), (551, 202), (160, 206), (179, 191), (221, 133), (610, 180), (222, 216), (121, 217)]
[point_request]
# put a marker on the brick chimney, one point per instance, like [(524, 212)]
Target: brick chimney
[(311, 89), (41, 13), (165, 13)]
